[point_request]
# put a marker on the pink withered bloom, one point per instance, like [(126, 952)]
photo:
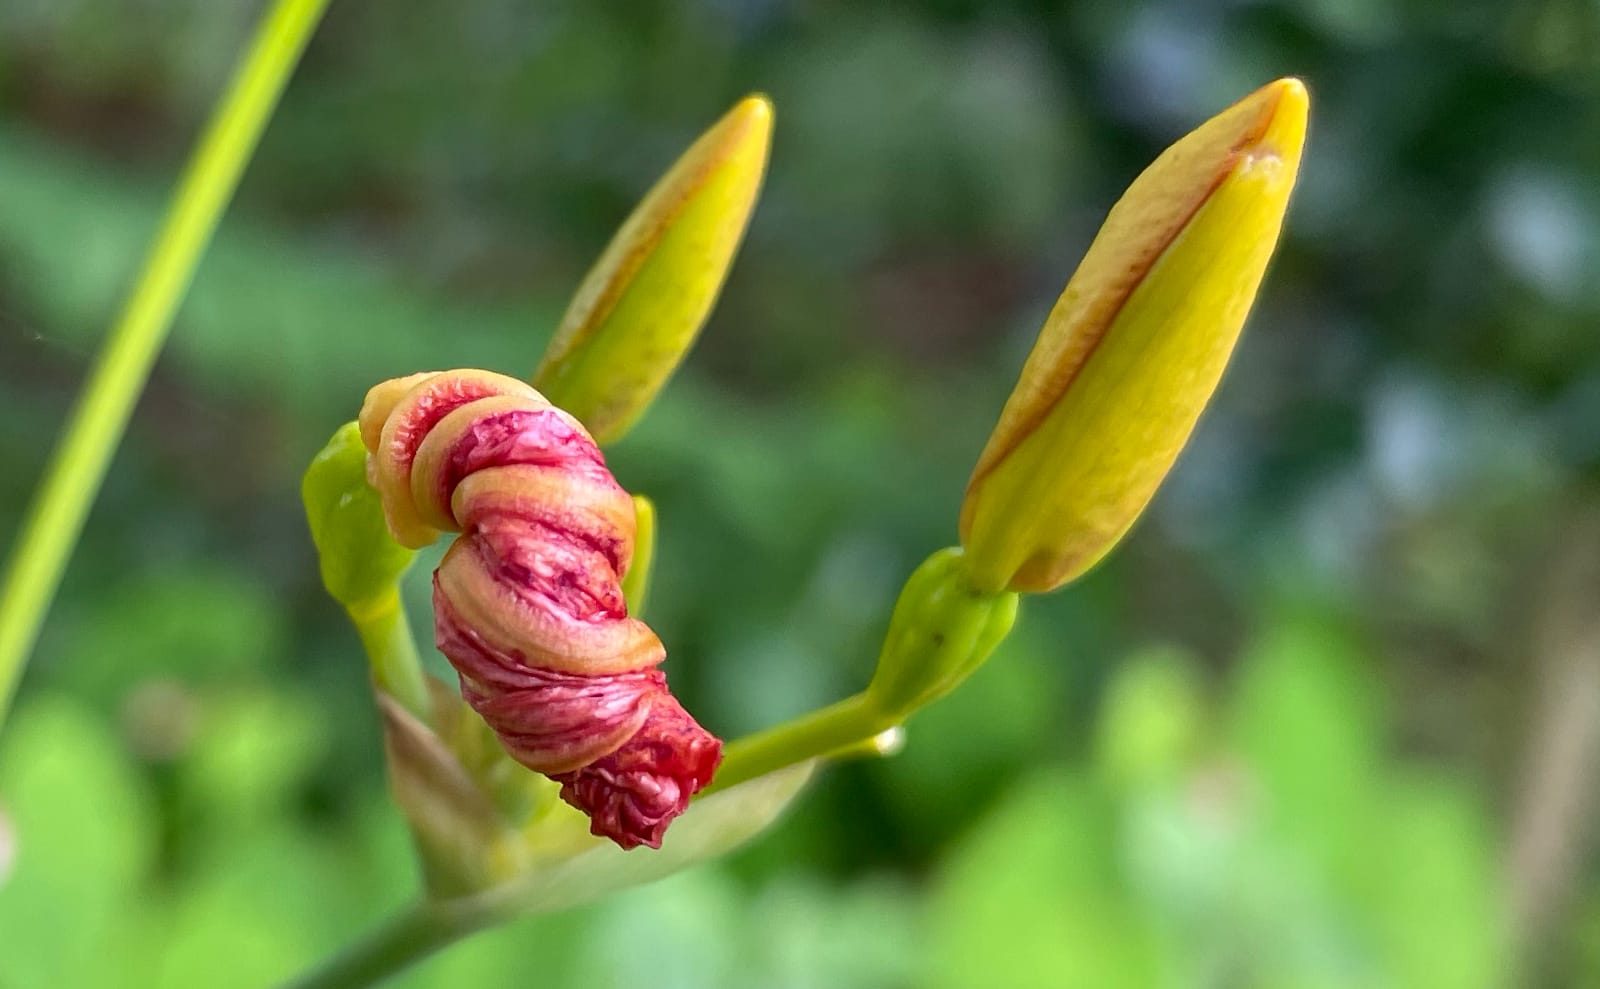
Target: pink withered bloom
[(528, 603)]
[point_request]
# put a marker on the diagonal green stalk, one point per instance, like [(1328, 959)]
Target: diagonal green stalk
[(942, 629), (407, 938), (429, 926), (56, 517), (839, 726), (392, 653)]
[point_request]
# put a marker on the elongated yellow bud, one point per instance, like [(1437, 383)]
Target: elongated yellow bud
[(640, 308), (1134, 348)]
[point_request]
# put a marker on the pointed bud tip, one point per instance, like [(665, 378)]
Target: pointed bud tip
[(754, 110), (1292, 95), (1268, 126), (1287, 107), (745, 130), (741, 140)]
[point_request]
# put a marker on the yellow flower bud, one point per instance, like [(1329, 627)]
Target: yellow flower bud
[(641, 306), (1133, 349)]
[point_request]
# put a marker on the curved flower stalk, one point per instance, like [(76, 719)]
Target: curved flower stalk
[(532, 602), (1117, 379), (528, 602)]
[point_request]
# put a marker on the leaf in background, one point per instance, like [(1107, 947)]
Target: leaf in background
[(268, 318), (252, 752), (84, 839), (704, 930), (1033, 899), (885, 157), (810, 935), (1307, 716), (246, 916), (195, 625), (640, 308), (684, 933), (1153, 721), (1433, 886), (540, 950), (710, 827), (278, 897)]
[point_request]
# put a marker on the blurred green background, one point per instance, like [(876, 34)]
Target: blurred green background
[(1329, 718)]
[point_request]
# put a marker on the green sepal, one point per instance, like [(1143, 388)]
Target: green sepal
[(636, 582), (361, 563), (941, 631)]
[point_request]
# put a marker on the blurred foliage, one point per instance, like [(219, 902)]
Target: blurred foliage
[(1317, 791)]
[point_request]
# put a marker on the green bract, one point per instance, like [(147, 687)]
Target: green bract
[(360, 562), (636, 582), (941, 631)]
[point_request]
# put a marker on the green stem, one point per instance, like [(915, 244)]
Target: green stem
[(420, 931), (78, 466), (433, 925), (392, 653), (821, 733)]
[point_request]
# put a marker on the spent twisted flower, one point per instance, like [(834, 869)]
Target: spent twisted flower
[(528, 602)]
